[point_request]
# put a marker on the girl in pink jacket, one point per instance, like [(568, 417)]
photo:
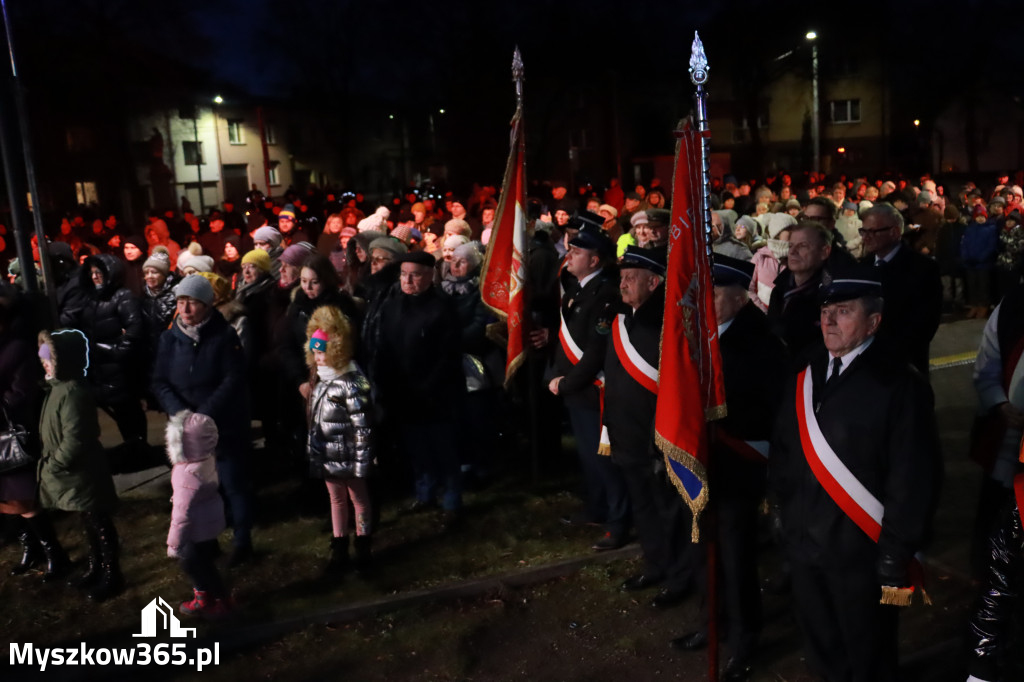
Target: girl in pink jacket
[(197, 517)]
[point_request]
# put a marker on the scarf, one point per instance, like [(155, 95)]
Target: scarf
[(460, 286)]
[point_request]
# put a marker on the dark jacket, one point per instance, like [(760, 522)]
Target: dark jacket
[(588, 313), (111, 318), (794, 313), (912, 288), (629, 407), (419, 364), (378, 289), (157, 311), (878, 416), (207, 377), (990, 626)]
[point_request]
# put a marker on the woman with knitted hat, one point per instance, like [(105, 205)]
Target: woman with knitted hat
[(340, 436), (157, 298)]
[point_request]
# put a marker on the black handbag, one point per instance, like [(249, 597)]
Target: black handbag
[(14, 448)]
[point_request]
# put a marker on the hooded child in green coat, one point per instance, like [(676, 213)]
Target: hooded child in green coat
[(73, 472)]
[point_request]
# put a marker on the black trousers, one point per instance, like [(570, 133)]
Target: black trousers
[(848, 636), (607, 498), (662, 523), (198, 561), (130, 418)]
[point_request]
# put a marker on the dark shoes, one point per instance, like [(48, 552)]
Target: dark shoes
[(578, 519), (693, 641), (669, 597), (608, 542), (641, 581)]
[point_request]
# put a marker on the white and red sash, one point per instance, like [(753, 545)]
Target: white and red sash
[(642, 371), (575, 354), (842, 486)]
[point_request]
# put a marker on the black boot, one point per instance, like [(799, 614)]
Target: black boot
[(32, 551), (57, 563), (110, 582), (93, 559), (339, 561), (364, 559)]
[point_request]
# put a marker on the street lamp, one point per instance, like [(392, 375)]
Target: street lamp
[(218, 100), (816, 120)]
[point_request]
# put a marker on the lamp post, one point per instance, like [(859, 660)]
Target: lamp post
[(816, 119)]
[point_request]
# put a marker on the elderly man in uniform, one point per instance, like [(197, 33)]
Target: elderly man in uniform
[(589, 305), (739, 450), (854, 469), (631, 383)]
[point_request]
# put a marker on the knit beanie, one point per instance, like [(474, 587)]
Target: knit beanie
[(201, 263), (138, 241), (951, 214), (259, 258), (470, 252), (159, 260), (318, 341), (295, 255), (979, 209), (402, 233), (378, 221), (287, 212), (267, 234), (197, 287), (779, 222), (388, 244)]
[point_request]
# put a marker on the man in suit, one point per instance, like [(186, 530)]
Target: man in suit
[(588, 308), (911, 284), (854, 470), (793, 309)]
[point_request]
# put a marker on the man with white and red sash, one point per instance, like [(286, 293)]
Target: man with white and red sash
[(589, 304), (631, 392), (755, 366), (854, 468)]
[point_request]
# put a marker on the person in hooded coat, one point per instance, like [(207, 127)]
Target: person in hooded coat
[(72, 471), (111, 318)]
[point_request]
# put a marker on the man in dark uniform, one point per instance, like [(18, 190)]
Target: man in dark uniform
[(631, 384), (911, 283), (793, 309), (588, 308), (755, 368), (854, 469)]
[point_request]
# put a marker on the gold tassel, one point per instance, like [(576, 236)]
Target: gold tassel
[(695, 531), (897, 596), (604, 449)]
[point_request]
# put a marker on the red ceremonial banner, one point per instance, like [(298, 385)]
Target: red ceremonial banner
[(690, 386), (504, 268)]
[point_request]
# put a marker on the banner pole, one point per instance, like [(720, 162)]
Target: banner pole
[(698, 76)]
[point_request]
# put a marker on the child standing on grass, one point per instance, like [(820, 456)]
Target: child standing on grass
[(73, 473), (340, 433), (197, 517)]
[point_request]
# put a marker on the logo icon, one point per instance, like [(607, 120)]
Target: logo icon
[(158, 616)]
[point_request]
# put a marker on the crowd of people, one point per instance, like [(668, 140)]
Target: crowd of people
[(356, 336)]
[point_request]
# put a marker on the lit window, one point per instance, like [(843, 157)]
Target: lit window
[(236, 133), (86, 193), (845, 110), (274, 180), (270, 132), (193, 153)]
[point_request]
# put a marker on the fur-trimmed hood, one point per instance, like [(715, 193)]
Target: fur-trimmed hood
[(190, 437), (69, 352), (341, 343)]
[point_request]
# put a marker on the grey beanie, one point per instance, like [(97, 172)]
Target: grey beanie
[(388, 244), (267, 234), (197, 287), (471, 252)]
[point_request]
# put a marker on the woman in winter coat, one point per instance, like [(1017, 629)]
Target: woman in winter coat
[(978, 252), (340, 437), (72, 470), (728, 244), (157, 234), (197, 514), (1011, 246), (111, 319), (20, 379), (158, 298)]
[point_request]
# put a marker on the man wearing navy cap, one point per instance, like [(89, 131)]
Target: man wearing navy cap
[(755, 367), (854, 468), (588, 308), (631, 383)]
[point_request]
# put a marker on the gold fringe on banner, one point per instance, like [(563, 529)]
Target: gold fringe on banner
[(677, 454)]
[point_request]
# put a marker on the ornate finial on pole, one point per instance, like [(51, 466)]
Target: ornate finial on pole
[(517, 74), (698, 62)]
